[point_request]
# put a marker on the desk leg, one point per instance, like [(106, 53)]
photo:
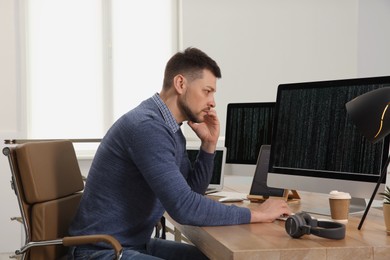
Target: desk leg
[(177, 234)]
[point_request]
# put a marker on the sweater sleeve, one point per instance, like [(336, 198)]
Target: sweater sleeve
[(200, 175), (153, 149)]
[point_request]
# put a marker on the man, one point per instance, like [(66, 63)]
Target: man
[(141, 169)]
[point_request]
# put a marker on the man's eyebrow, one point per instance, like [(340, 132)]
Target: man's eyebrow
[(211, 88)]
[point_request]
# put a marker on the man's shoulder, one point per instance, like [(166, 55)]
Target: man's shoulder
[(139, 122), (145, 111), (142, 116)]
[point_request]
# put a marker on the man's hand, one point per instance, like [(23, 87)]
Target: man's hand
[(269, 210), (207, 131)]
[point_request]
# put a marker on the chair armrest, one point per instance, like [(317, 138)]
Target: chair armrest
[(92, 239)]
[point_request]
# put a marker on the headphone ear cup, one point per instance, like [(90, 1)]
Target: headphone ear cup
[(294, 224), (307, 218)]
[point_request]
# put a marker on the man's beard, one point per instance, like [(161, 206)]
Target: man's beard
[(187, 112)]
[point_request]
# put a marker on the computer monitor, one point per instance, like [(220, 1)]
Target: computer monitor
[(316, 147), (248, 127)]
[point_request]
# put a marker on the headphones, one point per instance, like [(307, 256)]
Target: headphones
[(303, 224)]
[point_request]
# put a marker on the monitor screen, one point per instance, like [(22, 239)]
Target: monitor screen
[(248, 127), (316, 147)]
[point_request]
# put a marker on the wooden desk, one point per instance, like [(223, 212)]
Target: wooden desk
[(270, 240)]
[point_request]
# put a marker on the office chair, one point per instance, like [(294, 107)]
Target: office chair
[(48, 184)]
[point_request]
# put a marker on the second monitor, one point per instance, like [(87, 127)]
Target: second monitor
[(248, 127)]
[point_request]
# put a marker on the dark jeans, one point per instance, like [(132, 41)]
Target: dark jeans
[(155, 249)]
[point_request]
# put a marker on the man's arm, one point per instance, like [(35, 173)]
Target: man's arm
[(201, 173)]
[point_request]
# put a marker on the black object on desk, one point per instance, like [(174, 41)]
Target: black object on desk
[(259, 184)]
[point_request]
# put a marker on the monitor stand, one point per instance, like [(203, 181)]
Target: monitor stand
[(356, 206), (291, 196)]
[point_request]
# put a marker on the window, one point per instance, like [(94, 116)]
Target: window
[(90, 61)]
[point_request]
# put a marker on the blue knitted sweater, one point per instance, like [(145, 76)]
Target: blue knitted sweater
[(141, 170)]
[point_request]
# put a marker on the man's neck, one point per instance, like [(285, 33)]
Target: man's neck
[(170, 100)]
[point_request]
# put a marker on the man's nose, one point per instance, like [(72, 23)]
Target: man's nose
[(212, 103)]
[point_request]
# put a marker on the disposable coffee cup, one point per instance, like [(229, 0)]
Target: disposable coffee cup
[(339, 206)]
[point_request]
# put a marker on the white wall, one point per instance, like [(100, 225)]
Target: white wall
[(374, 38), (258, 44)]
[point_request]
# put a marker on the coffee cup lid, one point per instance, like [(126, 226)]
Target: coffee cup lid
[(334, 194)]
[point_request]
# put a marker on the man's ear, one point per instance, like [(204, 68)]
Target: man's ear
[(179, 82)]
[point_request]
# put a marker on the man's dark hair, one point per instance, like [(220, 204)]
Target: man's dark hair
[(191, 62)]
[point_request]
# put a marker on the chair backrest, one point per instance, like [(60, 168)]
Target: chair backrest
[(49, 185)]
